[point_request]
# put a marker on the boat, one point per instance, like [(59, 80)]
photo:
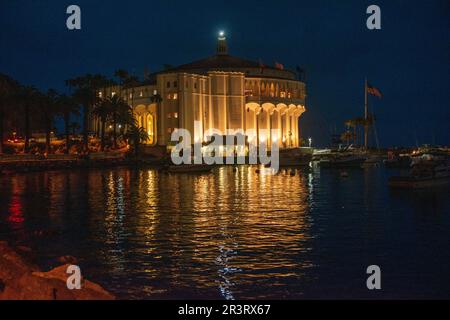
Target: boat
[(320, 154), (427, 170), (427, 153), (343, 160), (189, 168), (372, 159), (397, 160), (298, 157)]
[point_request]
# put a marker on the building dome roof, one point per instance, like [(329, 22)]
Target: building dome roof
[(225, 62), (219, 62), (222, 61)]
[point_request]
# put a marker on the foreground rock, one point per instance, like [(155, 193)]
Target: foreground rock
[(21, 280)]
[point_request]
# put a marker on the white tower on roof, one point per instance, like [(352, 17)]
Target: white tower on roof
[(222, 48)]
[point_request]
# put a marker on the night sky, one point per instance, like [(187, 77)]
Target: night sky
[(408, 60)]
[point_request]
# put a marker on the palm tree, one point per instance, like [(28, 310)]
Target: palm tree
[(117, 109), (356, 124), (352, 123), (28, 96), (66, 107), (136, 135), (8, 91), (48, 104), (86, 95), (347, 136), (87, 99), (126, 120), (102, 110), (74, 127)]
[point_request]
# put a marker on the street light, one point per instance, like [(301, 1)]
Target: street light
[(310, 142)]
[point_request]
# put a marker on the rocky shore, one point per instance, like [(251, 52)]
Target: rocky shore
[(22, 280)]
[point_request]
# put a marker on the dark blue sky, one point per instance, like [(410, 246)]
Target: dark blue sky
[(409, 59)]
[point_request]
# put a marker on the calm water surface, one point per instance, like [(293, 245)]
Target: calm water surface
[(234, 235)]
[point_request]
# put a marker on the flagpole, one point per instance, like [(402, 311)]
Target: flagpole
[(366, 117)]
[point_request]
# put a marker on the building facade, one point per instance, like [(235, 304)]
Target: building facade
[(220, 92)]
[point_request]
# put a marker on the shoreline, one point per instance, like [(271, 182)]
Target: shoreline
[(38, 165), (20, 279)]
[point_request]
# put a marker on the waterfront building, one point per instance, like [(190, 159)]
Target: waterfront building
[(221, 92)]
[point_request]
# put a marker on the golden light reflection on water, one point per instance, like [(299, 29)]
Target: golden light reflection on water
[(214, 232), (223, 229)]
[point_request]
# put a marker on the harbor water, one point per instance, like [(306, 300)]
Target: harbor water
[(142, 233)]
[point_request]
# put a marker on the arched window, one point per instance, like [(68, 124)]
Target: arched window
[(150, 129), (141, 122)]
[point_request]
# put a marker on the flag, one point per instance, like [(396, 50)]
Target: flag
[(374, 91), (279, 66)]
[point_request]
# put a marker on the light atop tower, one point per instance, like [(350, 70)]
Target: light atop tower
[(222, 48)]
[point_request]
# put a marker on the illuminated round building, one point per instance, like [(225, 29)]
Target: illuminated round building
[(221, 92)]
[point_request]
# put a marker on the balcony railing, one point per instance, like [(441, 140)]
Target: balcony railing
[(274, 100)]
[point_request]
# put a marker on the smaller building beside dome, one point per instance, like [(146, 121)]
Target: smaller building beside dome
[(219, 92)]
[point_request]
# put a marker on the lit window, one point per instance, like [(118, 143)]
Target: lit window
[(168, 96), (131, 96), (100, 94), (175, 115), (141, 94), (169, 130), (155, 92), (175, 96), (113, 94), (169, 116)]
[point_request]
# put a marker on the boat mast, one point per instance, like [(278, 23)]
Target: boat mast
[(366, 117)]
